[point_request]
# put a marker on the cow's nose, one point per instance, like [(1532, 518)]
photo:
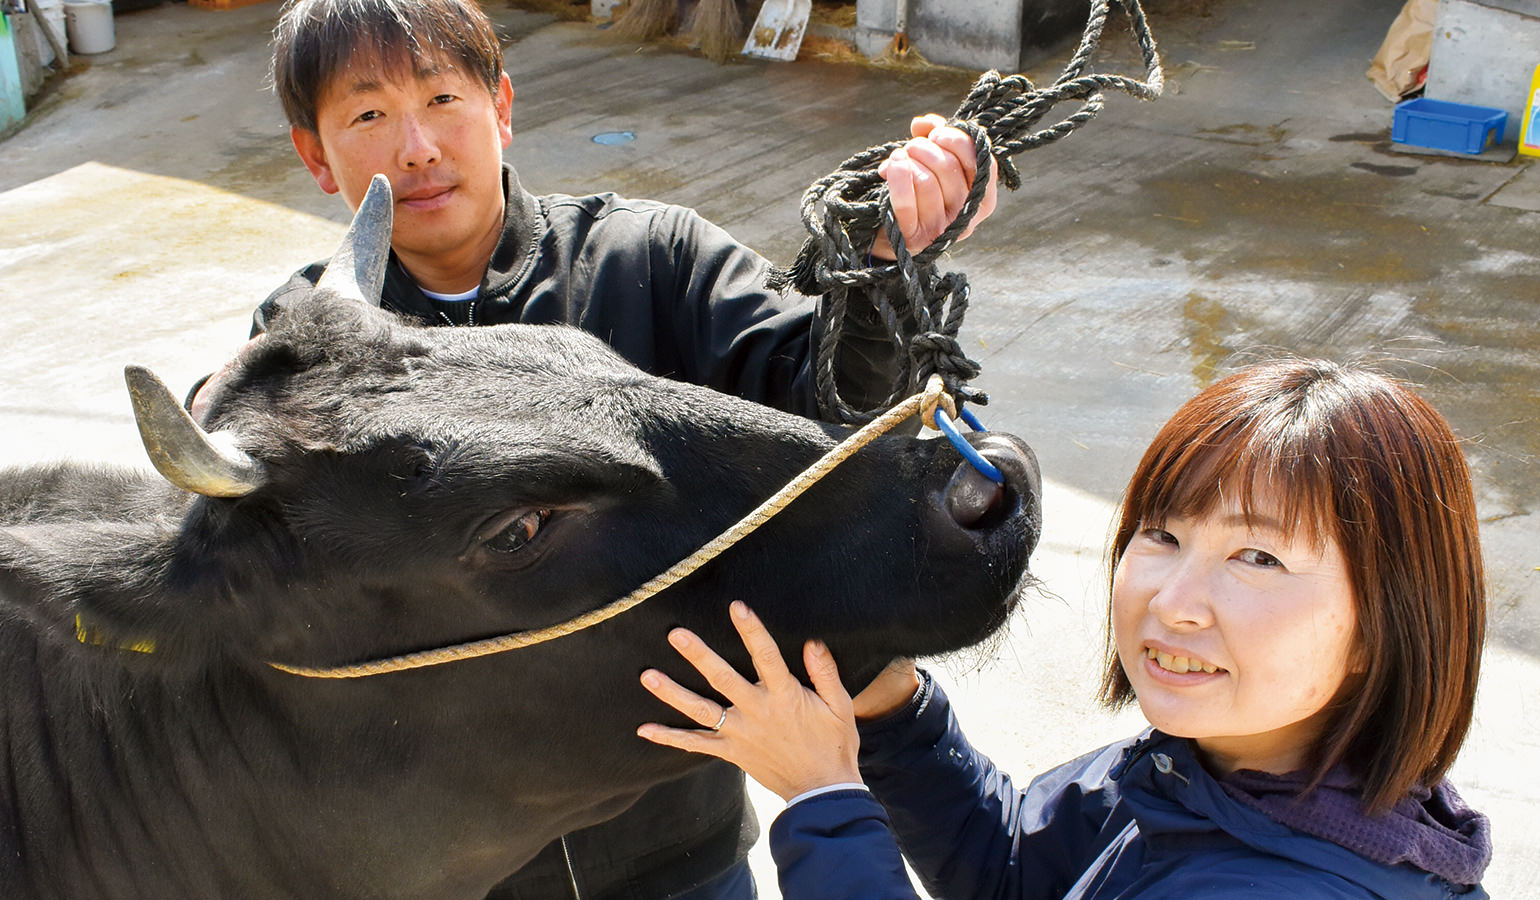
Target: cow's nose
[(974, 501)]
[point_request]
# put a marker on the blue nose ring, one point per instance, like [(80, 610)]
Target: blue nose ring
[(969, 452)]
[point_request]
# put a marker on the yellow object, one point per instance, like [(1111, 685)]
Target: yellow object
[(88, 635), (1529, 131)]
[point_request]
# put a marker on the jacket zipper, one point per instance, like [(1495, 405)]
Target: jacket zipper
[(566, 855)]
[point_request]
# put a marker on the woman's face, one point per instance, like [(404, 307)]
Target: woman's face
[(1236, 634)]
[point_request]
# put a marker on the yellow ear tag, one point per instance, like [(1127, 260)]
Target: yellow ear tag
[(86, 635)]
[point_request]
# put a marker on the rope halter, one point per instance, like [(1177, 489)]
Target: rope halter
[(927, 404)]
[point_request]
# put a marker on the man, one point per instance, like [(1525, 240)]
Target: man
[(415, 89)]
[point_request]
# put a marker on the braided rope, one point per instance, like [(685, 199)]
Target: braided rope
[(844, 210), (924, 403)]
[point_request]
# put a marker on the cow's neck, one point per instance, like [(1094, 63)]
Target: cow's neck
[(329, 783)]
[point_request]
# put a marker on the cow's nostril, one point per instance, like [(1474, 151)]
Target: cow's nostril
[(975, 502), (971, 497)]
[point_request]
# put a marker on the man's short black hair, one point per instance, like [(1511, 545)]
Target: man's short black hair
[(314, 39)]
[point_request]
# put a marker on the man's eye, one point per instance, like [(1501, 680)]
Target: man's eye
[(369, 116), (444, 98)]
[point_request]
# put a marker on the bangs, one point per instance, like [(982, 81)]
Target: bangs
[(316, 40), (1276, 462), (421, 45)]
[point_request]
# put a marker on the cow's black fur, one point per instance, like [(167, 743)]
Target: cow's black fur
[(392, 454)]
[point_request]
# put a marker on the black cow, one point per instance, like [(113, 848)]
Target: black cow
[(365, 488)]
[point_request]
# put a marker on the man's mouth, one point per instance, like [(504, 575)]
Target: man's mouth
[(425, 196), (1181, 665)]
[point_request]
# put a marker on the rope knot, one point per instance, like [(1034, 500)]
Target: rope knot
[(934, 395), (922, 307), (938, 353)]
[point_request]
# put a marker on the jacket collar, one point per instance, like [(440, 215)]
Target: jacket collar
[(523, 227), (1177, 803)]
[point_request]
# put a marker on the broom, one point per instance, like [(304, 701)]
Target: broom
[(717, 27), (644, 20)]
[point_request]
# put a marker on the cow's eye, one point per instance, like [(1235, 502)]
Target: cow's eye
[(518, 532)]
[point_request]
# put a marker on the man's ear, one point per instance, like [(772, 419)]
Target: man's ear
[(308, 144), (503, 101)]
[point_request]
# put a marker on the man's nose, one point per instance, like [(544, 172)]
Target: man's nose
[(419, 145)]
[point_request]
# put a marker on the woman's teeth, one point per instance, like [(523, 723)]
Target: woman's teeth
[(1178, 664)]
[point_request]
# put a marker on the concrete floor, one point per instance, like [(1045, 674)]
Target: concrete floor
[(151, 199)]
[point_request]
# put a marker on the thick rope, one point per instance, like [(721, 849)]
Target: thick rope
[(843, 211), (924, 403)]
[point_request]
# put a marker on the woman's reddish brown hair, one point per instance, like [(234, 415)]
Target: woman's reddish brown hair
[(1358, 457)]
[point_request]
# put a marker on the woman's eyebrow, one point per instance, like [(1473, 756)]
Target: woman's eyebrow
[(1253, 522)]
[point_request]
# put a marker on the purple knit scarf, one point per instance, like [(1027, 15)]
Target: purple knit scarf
[(1432, 830)]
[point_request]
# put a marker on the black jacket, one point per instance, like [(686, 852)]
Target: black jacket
[(678, 297), (668, 290)]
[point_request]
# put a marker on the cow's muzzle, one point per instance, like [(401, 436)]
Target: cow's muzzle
[(976, 502)]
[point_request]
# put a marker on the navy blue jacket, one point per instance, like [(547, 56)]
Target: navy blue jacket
[(1137, 819)]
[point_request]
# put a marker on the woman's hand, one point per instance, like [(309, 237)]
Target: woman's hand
[(786, 737), (889, 692)]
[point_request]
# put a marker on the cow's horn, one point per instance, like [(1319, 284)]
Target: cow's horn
[(188, 456), (357, 269)]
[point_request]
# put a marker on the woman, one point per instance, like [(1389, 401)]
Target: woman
[(1297, 607)]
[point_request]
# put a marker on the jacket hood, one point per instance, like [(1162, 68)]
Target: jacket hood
[(1431, 847)]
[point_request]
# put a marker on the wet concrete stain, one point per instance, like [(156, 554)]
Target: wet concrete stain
[(1272, 134), (1208, 326), (256, 161), (1372, 279), (1388, 171), (1360, 137), (1230, 221)]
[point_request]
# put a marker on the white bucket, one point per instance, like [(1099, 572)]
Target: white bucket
[(90, 25)]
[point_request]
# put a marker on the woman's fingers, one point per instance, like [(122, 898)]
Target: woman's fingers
[(718, 673), (703, 712), (682, 738), (825, 675), (767, 658)]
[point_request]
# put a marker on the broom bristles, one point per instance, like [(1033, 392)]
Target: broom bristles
[(645, 20), (717, 27)]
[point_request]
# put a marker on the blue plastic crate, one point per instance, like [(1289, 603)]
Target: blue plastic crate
[(1443, 125)]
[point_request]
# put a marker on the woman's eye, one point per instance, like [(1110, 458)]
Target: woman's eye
[(519, 532), (1159, 536), (1260, 558)]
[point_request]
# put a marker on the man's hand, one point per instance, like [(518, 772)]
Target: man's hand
[(928, 180)]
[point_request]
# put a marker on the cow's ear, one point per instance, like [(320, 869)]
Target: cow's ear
[(180, 598)]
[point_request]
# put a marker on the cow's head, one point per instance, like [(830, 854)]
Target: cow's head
[(370, 487)]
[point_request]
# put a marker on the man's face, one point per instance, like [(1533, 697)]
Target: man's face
[(434, 131)]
